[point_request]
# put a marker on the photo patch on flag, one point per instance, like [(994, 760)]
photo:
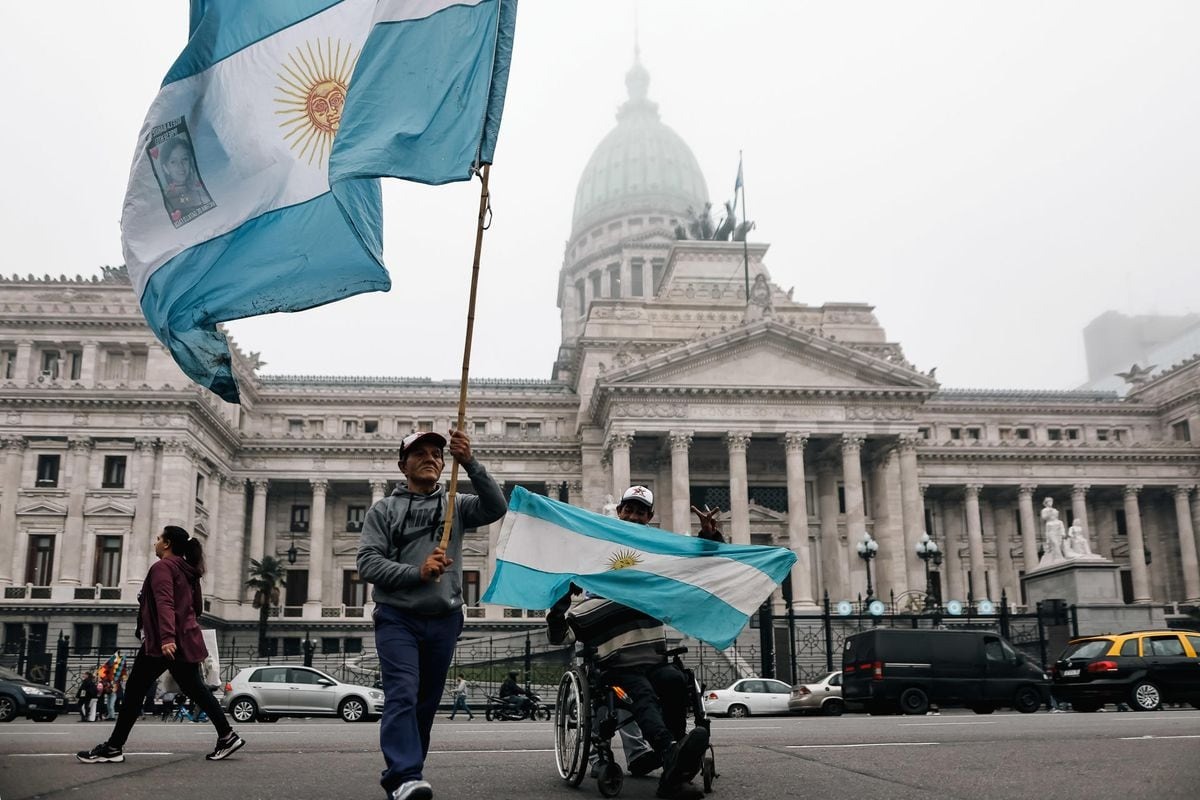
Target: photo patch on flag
[(174, 161)]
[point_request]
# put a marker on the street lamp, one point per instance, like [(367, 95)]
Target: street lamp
[(927, 550), (310, 647), (867, 549), (291, 551)]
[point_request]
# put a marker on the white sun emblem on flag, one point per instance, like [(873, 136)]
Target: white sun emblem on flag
[(313, 96), (624, 559)]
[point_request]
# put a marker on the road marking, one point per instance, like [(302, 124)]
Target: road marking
[(752, 727), (72, 755), (35, 733), (514, 750), (865, 744), (919, 724), (1179, 736)]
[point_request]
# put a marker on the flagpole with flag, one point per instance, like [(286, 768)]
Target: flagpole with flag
[(740, 184)]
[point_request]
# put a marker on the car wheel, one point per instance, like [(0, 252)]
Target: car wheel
[(914, 701), (352, 709), (833, 708), (1145, 696), (243, 709), (738, 710), (1085, 707), (50, 717), (8, 708), (1027, 700)]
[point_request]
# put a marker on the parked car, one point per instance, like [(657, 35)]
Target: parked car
[(749, 696), (267, 693), (21, 697), (889, 669), (1142, 668), (824, 696)]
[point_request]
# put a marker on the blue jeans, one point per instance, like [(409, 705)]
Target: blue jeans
[(415, 653)]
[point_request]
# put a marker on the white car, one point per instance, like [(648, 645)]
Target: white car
[(286, 690), (749, 696)]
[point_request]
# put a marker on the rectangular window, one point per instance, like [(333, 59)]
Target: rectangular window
[(1117, 434), (512, 430), (596, 278), (8, 364), (317, 425), (975, 434), (581, 293), (1121, 523), (349, 427), (299, 519), (924, 433), (1005, 434), (296, 427), (329, 645), (47, 470), (1102, 434), (107, 569), (354, 589), (1054, 434), (74, 366), (636, 277), (810, 497), (480, 428), (533, 430), (1181, 432), (114, 472), (51, 364), (296, 592), (841, 498), (424, 425), (291, 646), (370, 426), (353, 644), (1024, 433), (83, 638), (354, 518), (108, 638), (657, 268), (956, 433), (614, 280), (199, 489), (1073, 434), (470, 587), (39, 562)]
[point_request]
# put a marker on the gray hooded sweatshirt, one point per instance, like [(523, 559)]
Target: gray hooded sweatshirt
[(401, 531)]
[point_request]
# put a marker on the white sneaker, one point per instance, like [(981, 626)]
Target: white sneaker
[(413, 790)]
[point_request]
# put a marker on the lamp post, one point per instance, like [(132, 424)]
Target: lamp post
[(928, 550), (310, 647), (867, 549)]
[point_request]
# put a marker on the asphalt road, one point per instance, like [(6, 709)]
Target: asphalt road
[(957, 755)]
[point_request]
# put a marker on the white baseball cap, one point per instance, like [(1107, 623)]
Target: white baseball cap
[(413, 438), (639, 493)]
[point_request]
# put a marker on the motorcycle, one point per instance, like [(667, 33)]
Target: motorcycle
[(503, 711)]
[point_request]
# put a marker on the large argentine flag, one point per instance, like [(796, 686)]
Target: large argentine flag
[(254, 185), (704, 589)]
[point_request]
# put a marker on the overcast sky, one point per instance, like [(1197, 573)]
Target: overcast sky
[(989, 175)]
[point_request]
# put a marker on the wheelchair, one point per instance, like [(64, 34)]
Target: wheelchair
[(585, 720)]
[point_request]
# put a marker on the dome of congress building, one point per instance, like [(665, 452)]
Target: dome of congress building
[(640, 166)]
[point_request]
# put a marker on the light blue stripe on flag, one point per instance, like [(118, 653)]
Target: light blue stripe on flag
[(702, 588)]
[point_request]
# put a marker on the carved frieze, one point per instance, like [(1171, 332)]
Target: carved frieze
[(880, 413), (676, 410)]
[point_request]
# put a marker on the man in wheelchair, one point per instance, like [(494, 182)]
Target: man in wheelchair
[(630, 652)]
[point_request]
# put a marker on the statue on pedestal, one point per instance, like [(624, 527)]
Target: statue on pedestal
[(1076, 544), (1054, 534), (609, 509)]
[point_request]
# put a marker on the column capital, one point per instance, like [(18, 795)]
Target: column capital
[(922, 488), (145, 445), (973, 489), (680, 440), (81, 445), (1183, 490), (221, 478), (795, 442), (852, 442), (1027, 489), (260, 485), (1133, 490), (737, 441), (17, 443), (1080, 489), (319, 485), (575, 486), (909, 442), (176, 447), (379, 486), (620, 439)]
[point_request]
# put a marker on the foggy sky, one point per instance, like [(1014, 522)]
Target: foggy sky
[(990, 176)]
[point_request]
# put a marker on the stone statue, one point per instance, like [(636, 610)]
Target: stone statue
[(725, 229), (1076, 544), (759, 302), (609, 509), (1054, 534)]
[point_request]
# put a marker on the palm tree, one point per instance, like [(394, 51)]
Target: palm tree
[(266, 577)]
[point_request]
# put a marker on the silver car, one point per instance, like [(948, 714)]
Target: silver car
[(267, 693), (824, 696)]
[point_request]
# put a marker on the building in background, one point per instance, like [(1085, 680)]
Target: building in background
[(804, 421)]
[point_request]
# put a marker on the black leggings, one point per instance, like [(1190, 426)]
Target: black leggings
[(146, 670)]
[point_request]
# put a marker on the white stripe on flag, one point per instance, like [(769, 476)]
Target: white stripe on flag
[(403, 10), (537, 544)]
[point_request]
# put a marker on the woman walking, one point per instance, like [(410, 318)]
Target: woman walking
[(168, 608)]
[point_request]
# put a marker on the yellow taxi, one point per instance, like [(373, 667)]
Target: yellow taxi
[(1142, 668)]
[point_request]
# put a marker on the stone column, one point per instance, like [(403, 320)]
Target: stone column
[(987, 518), (177, 486), (87, 370), (739, 488), (1137, 546), (1029, 542), (14, 455), (1079, 509), (142, 536), (378, 491), (952, 518), (832, 552), (73, 544), (975, 541), (1187, 545), (1105, 528), (1005, 528), (1154, 537), (856, 523), (258, 521), (235, 570), (317, 545), (1196, 516), (912, 510), (24, 366), (574, 493), (888, 569), (681, 501), (802, 589), (620, 442)]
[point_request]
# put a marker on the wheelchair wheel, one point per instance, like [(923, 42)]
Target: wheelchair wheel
[(610, 780), (572, 727), (708, 770)]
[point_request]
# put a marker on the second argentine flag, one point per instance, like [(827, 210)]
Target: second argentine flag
[(701, 588)]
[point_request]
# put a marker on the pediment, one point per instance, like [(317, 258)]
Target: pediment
[(346, 549), (768, 355), (43, 508), (108, 508), (762, 514)]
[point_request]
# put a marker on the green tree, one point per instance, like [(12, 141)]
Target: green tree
[(266, 577)]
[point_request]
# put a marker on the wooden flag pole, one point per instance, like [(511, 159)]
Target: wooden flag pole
[(484, 208)]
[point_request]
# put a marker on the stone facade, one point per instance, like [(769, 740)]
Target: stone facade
[(805, 423)]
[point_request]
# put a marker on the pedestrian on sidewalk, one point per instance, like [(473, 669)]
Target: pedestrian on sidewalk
[(169, 607), (87, 698), (460, 698)]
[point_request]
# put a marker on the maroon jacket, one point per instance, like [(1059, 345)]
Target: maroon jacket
[(170, 607)]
